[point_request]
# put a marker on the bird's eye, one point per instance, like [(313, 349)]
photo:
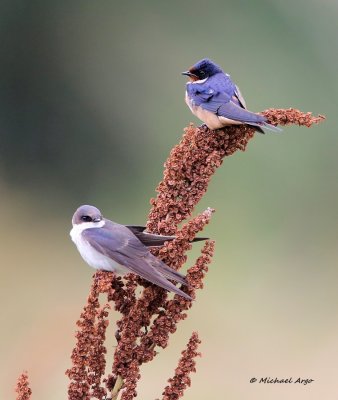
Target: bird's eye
[(202, 73), (86, 218)]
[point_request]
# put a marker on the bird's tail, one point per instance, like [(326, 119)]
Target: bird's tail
[(264, 125), (169, 273)]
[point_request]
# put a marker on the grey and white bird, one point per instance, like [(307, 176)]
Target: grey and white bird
[(122, 249)]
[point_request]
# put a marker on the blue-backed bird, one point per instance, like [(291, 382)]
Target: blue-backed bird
[(216, 100)]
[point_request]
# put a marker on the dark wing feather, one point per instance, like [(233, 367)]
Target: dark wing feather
[(136, 228), (149, 239), (239, 97), (232, 111), (121, 245), (153, 240)]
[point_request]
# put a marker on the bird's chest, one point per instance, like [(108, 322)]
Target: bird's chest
[(93, 257), (209, 118)]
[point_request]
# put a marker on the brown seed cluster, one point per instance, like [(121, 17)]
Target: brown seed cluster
[(88, 356), (131, 380), (278, 116), (196, 273), (174, 253), (188, 171), (174, 310), (187, 364), (131, 329), (149, 318), (122, 295), (22, 389)]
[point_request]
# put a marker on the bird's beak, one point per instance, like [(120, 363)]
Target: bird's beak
[(188, 73), (98, 219)]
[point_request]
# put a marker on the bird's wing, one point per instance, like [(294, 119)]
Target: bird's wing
[(239, 97), (220, 102), (121, 245), (153, 240), (149, 239), (233, 111)]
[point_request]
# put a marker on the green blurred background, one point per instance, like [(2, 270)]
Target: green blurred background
[(91, 104)]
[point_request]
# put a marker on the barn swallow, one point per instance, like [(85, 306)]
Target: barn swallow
[(216, 100), (122, 249)]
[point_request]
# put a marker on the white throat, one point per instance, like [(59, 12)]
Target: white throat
[(79, 228), (199, 81)]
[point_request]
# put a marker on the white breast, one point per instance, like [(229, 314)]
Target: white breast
[(92, 257)]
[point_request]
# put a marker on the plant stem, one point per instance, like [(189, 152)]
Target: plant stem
[(117, 387)]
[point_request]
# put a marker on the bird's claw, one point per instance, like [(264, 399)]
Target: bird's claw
[(203, 126)]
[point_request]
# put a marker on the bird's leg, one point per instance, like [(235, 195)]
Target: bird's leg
[(117, 335), (203, 126)]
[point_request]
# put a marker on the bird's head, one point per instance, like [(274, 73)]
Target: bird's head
[(85, 214), (203, 69)]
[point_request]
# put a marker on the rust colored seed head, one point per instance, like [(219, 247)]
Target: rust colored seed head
[(188, 171), (291, 116), (186, 365), (96, 359), (133, 376), (174, 310), (23, 391), (174, 253), (88, 356)]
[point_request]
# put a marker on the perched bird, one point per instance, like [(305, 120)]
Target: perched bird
[(109, 246), (216, 100)]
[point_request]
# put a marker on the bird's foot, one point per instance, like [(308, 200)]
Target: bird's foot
[(117, 335), (203, 127)]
